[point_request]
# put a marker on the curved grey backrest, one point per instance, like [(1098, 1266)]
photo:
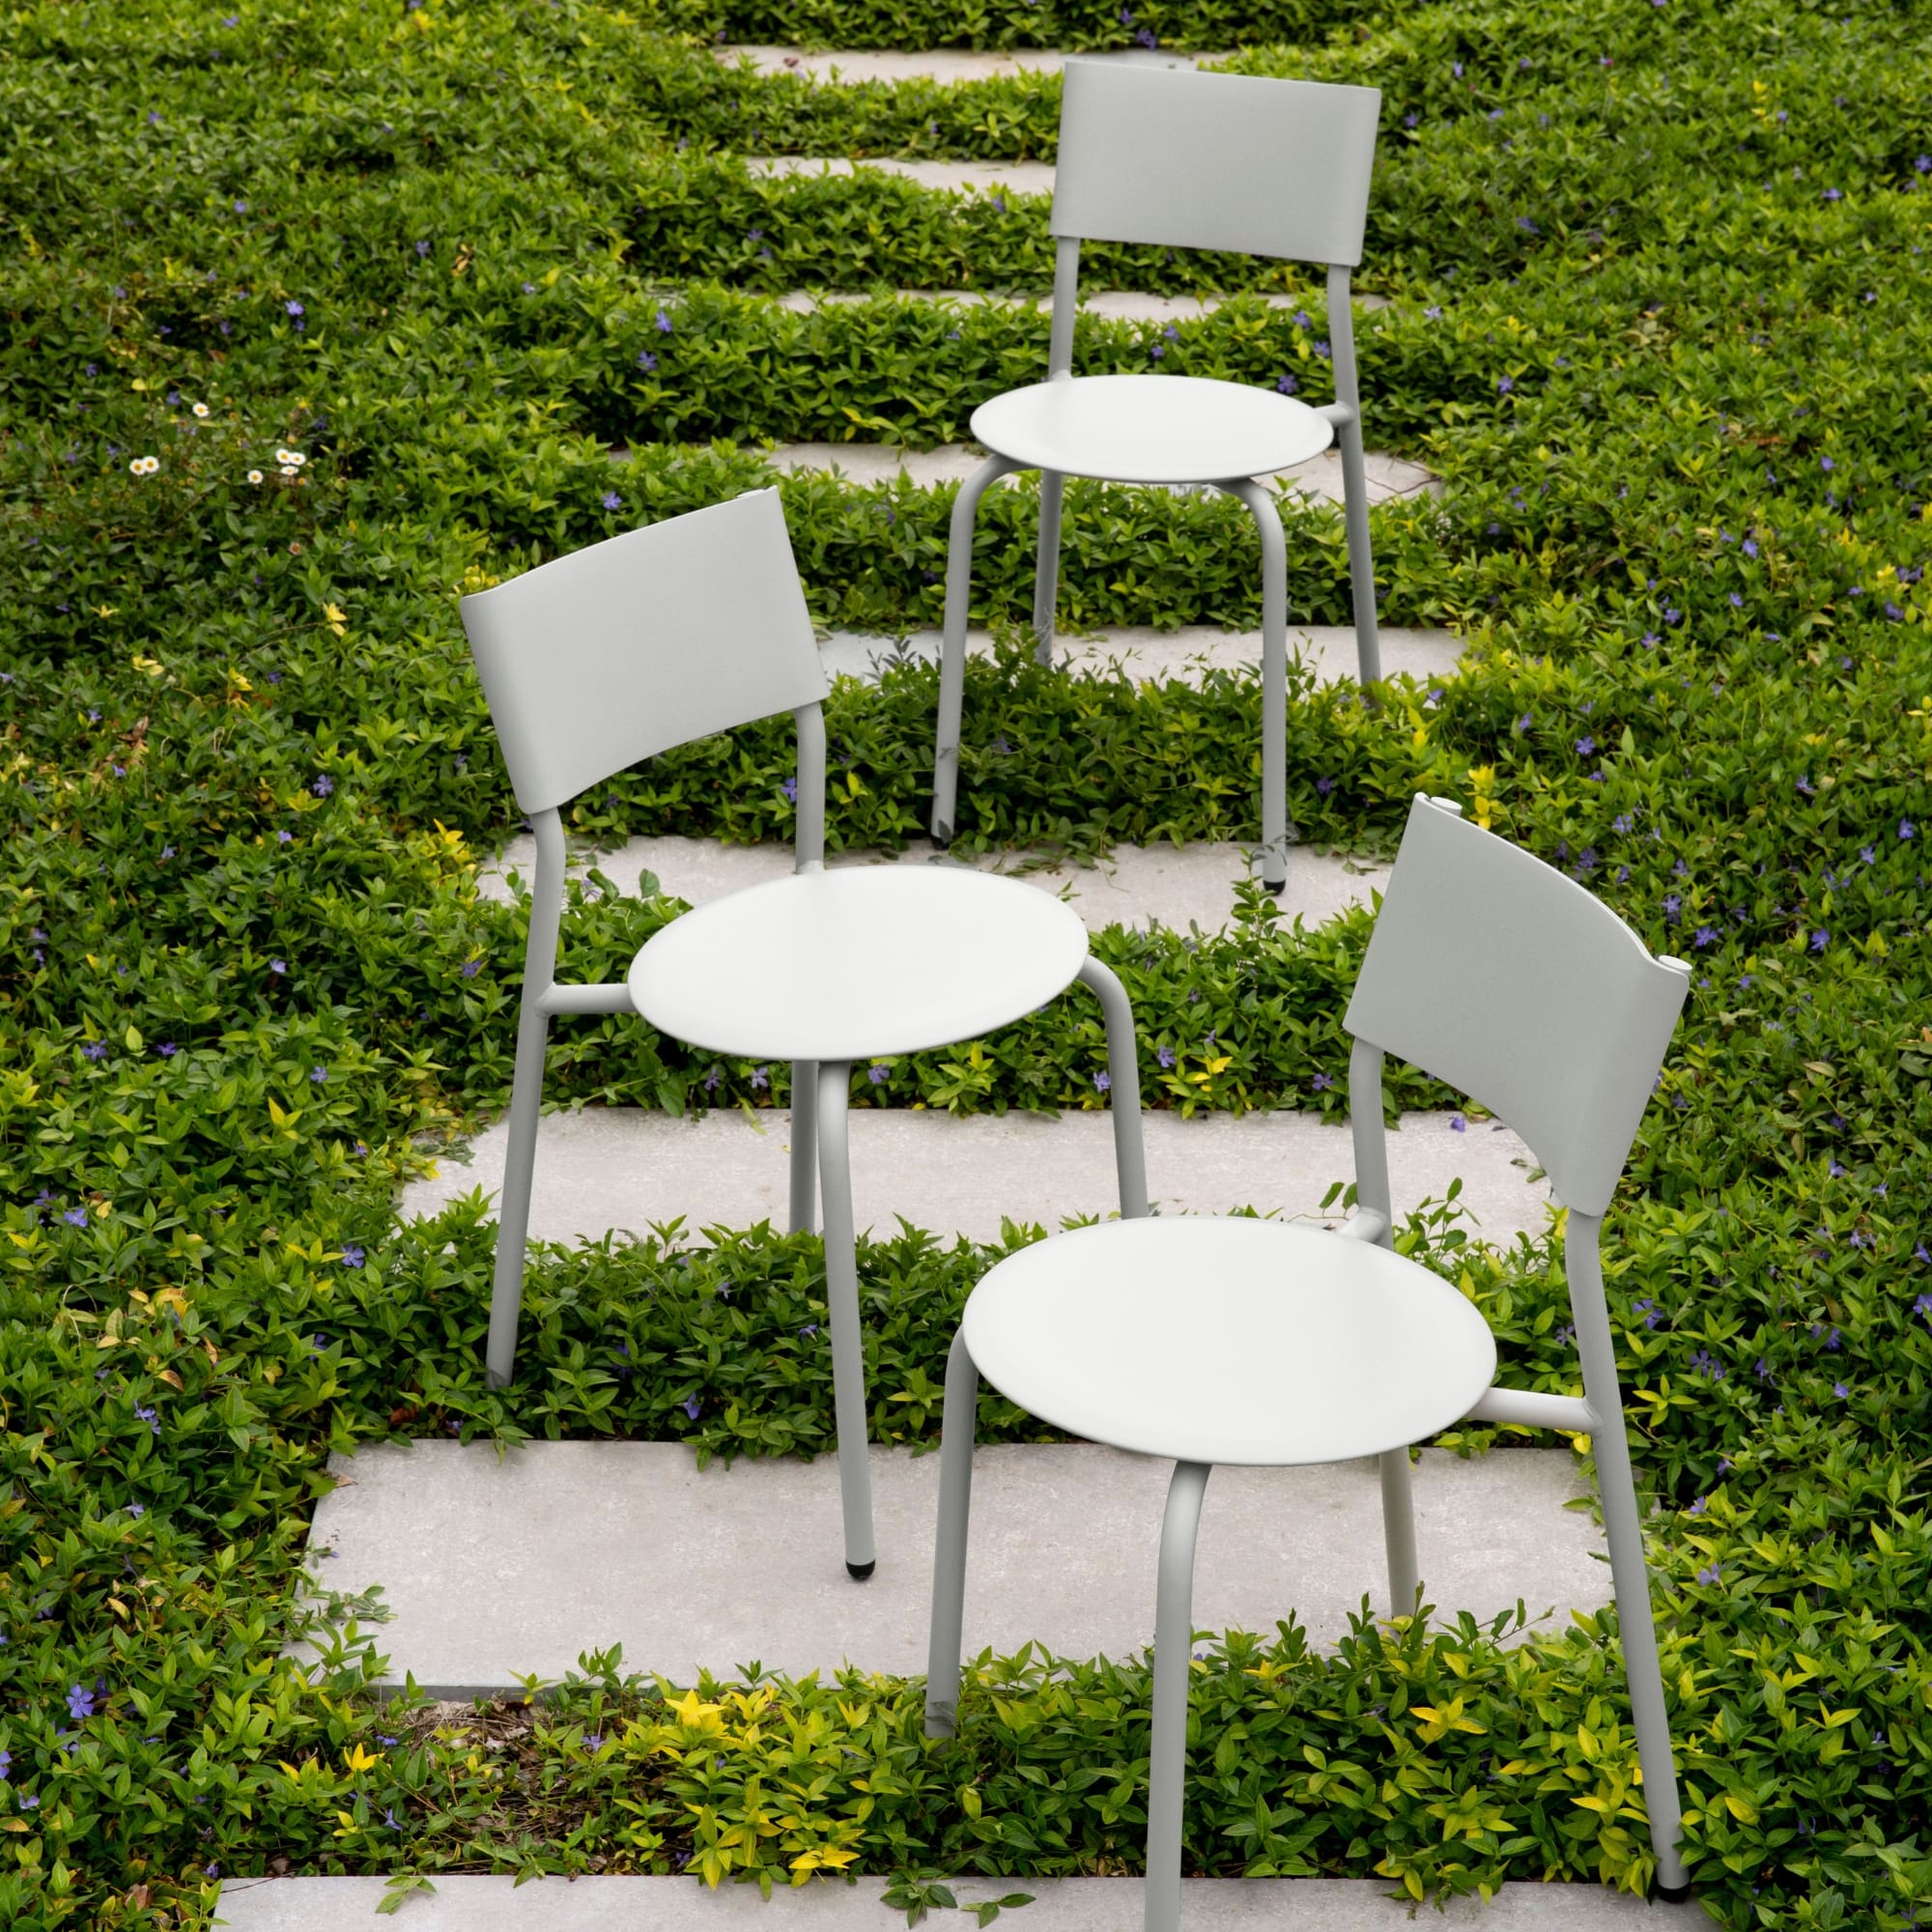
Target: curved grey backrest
[(1497, 974), (1214, 160), (643, 642)]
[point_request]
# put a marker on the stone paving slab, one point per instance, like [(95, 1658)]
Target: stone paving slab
[(472, 1904), (1174, 884), (498, 1566), (1181, 656), (601, 1170), (1387, 478), (942, 63), (993, 177), (1112, 304)]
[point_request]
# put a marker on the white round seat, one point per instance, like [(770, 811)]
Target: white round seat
[(857, 963), (1213, 1340), (1151, 429)]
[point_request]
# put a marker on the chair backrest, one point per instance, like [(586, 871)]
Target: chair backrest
[(1501, 976), (1214, 160), (643, 642)]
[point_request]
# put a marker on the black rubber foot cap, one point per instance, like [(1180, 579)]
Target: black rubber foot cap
[(1275, 886), (1673, 1894), (861, 1571)]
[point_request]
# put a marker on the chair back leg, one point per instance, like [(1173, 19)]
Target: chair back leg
[(1046, 567), (1399, 1532), (804, 1147), (1274, 680), (958, 1424), (841, 1298), (1123, 1095), (513, 1208), (1623, 1530), (1361, 559), (953, 644), (1172, 1654)]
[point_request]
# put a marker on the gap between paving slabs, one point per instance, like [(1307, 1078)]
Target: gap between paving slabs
[(942, 63), (594, 1903)]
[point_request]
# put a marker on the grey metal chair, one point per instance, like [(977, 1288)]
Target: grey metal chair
[(1217, 1339), (1197, 160), (671, 633)]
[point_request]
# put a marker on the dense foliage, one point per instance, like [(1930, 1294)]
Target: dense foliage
[(1659, 315)]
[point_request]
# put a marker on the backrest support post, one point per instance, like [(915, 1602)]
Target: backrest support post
[(1365, 1127), (808, 831), (1065, 305), (1342, 340), (546, 907)]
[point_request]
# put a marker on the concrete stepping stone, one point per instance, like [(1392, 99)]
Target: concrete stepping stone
[(1388, 477), (942, 63), (498, 1566), (601, 1170), (1174, 884), (1112, 304), (1180, 656), (602, 1904), (993, 177)]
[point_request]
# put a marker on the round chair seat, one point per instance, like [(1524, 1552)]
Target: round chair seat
[(1151, 429), (1217, 1339), (857, 963)]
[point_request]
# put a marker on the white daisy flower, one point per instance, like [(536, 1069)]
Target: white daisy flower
[(145, 465), (254, 476), (295, 457), (281, 456), (200, 408)]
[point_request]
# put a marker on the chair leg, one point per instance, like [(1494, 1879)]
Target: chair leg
[(841, 1296), (1123, 1095), (1274, 681), (1399, 1532), (958, 1422), (1046, 569), (1172, 1654), (952, 647), (513, 1210), (1361, 562), (1629, 1576), (804, 1147)]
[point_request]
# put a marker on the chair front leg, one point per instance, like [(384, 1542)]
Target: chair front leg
[(1361, 560), (953, 644), (1274, 680), (1399, 1532), (958, 1423), (804, 1147), (513, 1210), (1172, 1655), (841, 1300), (1046, 567), (1123, 1095)]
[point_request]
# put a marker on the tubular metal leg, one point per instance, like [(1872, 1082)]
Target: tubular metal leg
[(1123, 1073), (804, 1146), (958, 1423), (513, 1210), (1631, 1578), (1399, 1532), (1046, 570), (841, 1296), (1361, 562), (1274, 680), (1173, 1652), (952, 648)]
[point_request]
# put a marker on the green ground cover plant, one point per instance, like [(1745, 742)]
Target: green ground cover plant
[(1658, 317)]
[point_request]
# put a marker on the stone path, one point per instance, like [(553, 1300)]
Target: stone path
[(942, 64), (1180, 656), (1388, 477), (1174, 884), (468, 1904), (495, 1567), (998, 177), (625, 1168)]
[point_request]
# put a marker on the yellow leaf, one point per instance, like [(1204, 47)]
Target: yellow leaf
[(1741, 1808), (359, 1760)]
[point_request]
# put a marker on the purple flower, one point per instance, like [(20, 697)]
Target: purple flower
[(322, 785), (647, 361), (154, 1423), (1831, 194), (664, 323), (1819, 939), (470, 968), (1504, 384), (1826, 463), (94, 1049), (1585, 746), (284, 836), (1432, 313), (1285, 385), (1165, 1056), (422, 248), (1322, 1083), (167, 1049), (1458, 1125), (1672, 906), (279, 965), (692, 1407), (1323, 787), (353, 1256), (1906, 829), (1706, 936), (761, 1077), (809, 1329), (75, 1217), (879, 1073), (294, 308), (612, 500), (789, 786), (1839, 1390), (1711, 1575), (1103, 1082), (318, 1075)]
